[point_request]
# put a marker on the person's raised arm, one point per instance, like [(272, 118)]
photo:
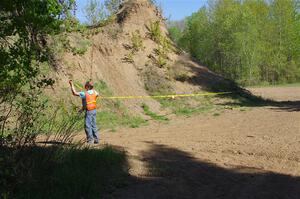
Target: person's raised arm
[(75, 93)]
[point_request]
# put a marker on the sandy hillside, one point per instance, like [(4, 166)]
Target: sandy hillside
[(104, 59)]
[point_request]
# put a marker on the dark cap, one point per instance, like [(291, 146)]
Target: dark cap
[(89, 84)]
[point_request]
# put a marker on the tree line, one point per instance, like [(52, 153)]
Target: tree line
[(249, 41)]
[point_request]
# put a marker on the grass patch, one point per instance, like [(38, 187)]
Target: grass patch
[(216, 114), (81, 46), (153, 115), (189, 106), (63, 172), (112, 120), (112, 113)]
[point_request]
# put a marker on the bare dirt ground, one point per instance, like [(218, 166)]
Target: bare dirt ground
[(239, 154)]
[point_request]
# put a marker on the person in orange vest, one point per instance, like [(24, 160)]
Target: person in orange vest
[(89, 102)]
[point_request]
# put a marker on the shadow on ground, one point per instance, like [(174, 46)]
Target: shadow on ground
[(213, 82), (176, 174), (47, 172), (250, 100), (70, 172)]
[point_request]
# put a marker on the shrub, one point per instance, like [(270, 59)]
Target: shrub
[(155, 31), (129, 57), (135, 46), (81, 46), (136, 41), (164, 44)]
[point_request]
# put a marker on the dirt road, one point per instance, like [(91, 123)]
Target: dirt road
[(238, 154)]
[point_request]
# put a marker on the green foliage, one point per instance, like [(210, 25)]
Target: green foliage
[(23, 27), (155, 31), (164, 44), (162, 54), (129, 57), (153, 115), (63, 172), (137, 41), (112, 6), (25, 57), (175, 33), (101, 13), (247, 41), (135, 46), (95, 12)]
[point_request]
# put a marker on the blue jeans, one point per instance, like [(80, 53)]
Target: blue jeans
[(91, 129)]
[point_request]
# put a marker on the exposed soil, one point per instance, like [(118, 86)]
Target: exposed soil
[(239, 154), (110, 45)]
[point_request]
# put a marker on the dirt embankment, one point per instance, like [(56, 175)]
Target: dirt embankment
[(107, 59)]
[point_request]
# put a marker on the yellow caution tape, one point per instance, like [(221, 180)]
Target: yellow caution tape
[(77, 85), (161, 96), (165, 96)]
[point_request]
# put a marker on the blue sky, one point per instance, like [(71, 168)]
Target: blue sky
[(173, 9)]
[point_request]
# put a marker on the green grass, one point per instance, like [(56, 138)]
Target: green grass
[(181, 106), (64, 172), (112, 120), (153, 115), (112, 113)]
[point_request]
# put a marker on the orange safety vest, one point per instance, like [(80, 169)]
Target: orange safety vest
[(91, 101)]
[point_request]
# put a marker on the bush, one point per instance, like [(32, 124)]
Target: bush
[(135, 46), (137, 41), (155, 31), (164, 44)]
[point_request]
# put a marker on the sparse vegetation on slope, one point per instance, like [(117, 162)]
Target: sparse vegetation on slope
[(153, 115), (112, 113)]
